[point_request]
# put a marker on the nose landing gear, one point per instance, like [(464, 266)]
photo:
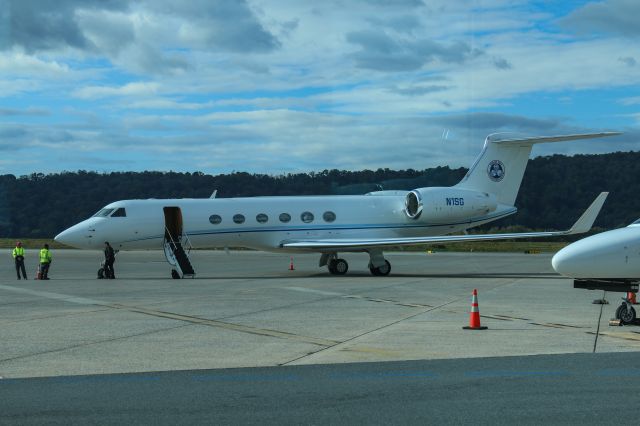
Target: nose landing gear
[(625, 312)]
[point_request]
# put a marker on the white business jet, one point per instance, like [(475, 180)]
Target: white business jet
[(607, 261), (329, 224)]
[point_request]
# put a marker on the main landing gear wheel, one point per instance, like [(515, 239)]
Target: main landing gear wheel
[(381, 271), (175, 275), (625, 313), (338, 266)]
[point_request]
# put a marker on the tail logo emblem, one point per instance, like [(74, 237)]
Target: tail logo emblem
[(495, 170)]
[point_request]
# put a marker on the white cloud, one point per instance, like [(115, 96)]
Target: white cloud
[(19, 64), (634, 100), (160, 103), (129, 89)]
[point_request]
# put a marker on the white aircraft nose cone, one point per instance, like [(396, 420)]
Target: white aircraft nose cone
[(583, 259), (562, 262), (575, 261), (67, 237), (74, 237)]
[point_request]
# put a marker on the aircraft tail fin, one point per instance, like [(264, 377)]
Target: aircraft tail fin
[(500, 166)]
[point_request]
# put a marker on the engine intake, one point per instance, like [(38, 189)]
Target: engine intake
[(413, 204)]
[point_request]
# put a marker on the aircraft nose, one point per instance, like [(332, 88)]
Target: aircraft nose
[(74, 237), (562, 262), (576, 261)]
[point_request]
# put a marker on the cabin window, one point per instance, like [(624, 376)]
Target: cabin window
[(262, 218), (103, 213), (215, 219), (238, 218), (307, 217), (121, 212), (285, 217), (329, 216)]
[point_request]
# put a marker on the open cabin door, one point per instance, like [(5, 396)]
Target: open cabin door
[(172, 224), (174, 239)]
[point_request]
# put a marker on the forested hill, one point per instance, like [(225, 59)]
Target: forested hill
[(555, 190)]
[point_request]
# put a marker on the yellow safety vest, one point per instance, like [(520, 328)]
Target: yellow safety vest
[(18, 251), (45, 256)]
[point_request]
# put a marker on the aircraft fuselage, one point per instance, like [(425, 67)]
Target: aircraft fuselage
[(264, 222)]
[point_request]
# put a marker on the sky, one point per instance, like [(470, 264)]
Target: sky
[(287, 86)]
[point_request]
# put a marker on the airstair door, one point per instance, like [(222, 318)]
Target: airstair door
[(173, 242), (172, 224)]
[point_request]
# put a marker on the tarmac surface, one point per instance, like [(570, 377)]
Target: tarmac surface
[(246, 309), (573, 389), (249, 341)]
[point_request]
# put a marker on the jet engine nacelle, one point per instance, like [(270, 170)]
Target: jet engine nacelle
[(435, 204)]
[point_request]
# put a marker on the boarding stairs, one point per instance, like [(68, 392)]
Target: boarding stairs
[(174, 251)]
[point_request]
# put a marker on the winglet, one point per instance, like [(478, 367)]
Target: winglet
[(585, 222)]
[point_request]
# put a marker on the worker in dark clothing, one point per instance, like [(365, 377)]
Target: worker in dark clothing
[(109, 258), (18, 257), (45, 262)]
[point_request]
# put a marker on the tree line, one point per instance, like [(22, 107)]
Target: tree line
[(554, 192)]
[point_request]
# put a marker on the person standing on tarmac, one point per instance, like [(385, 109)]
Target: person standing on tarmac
[(18, 257), (45, 262), (109, 258)]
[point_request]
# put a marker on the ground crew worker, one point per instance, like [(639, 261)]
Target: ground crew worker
[(45, 262), (18, 257), (109, 258)]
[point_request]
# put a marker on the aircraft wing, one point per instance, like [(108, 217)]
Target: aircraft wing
[(583, 224)]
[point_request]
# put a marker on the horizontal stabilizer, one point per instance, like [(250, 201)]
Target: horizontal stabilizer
[(583, 224), (540, 139)]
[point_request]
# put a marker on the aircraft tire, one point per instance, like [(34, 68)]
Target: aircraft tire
[(381, 271), (340, 267), (101, 273), (626, 315), (175, 275)]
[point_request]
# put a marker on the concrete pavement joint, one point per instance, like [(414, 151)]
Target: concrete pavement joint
[(372, 331), (228, 326), (65, 315), (356, 296), (173, 316), (93, 342)]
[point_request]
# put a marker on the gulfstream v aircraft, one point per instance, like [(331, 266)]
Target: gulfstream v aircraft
[(329, 225)]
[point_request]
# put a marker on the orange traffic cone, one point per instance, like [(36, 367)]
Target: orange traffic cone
[(631, 297), (291, 268), (474, 317)]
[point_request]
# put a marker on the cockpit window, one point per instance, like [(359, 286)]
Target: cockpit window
[(103, 213), (121, 212)]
